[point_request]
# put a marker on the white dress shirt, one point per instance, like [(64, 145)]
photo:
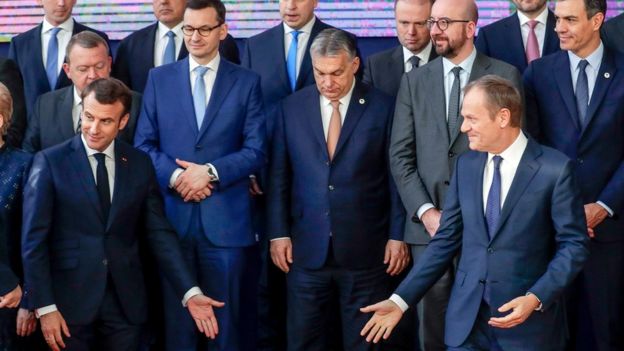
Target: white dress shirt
[(63, 36), (540, 28), (76, 108), (511, 158), (302, 41), (449, 77), (109, 160), (161, 40), (423, 55)]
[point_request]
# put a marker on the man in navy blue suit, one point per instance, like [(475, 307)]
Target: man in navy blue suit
[(514, 211), (334, 217), (202, 122), (575, 103), (612, 33), (86, 203), (524, 36), (385, 69), (40, 52), (157, 44)]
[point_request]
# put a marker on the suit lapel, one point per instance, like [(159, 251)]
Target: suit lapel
[(476, 191), (37, 56), (277, 56), (182, 83), (85, 174), (312, 114), (527, 168), (306, 63), (121, 182), (147, 54), (224, 82), (607, 69), (564, 83), (514, 40), (357, 106), (66, 121), (551, 41), (396, 66), (435, 75)]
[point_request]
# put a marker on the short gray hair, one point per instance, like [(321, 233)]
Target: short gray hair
[(333, 42), (86, 40)]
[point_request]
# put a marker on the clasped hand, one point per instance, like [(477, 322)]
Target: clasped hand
[(193, 184)]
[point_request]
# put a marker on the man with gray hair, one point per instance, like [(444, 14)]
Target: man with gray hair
[(334, 218)]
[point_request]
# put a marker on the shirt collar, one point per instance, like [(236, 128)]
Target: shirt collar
[(423, 55), (163, 29), (213, 65), (344, 101), (514, 152), (68, 25), (466, 65), (77, 98), (541, 18), (109, 151), (594, 59), (307, 28)]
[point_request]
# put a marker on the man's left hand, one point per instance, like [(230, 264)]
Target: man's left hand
[(200, 307), (595, 214), (192, 181), (522, 308), (396, 257), (12, 298)]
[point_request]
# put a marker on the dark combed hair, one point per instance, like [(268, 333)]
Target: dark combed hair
[(108, 91), (500, 94), (593, 7), (202, 4)]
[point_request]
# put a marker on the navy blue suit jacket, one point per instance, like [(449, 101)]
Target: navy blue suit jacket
[(231, 138), (135, 56), (598, 146), (69, 249), (503, 40), (352, 197), (540, 245), (25, 50), (611, 33)]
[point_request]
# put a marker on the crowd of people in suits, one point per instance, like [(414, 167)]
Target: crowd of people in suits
[(455, 192)]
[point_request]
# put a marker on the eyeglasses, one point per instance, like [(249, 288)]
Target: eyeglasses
[(443, 23), (204, 31)]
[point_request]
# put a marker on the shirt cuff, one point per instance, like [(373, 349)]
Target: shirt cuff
[(540, 306), (422, 209), (214, 172), (45, 310), (281, 238), (194, 291), (399, 301), (174, 177), (606, 208)]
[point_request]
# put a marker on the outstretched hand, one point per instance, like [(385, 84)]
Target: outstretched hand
[(201, 309), (386, 316)]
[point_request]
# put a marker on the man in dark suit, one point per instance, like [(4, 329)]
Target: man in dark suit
[(84, 274), (10, 76), (56, 114), (515, 212), (575, 103), (334, 225), (612, 33), (40, 52), (385, 69), (153, 46), (522, 37), (426, 139), (202, 122)]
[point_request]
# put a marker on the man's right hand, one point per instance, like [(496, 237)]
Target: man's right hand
[(53, 327), (431, 220), (12, 298), (387, 315), (281, 253)]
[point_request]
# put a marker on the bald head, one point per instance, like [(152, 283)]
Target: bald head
[(458, 9)]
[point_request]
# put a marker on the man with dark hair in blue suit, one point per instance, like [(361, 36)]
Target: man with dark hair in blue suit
[(40, 52), (575, 103), (87, 201), (334, 217), (203, 124), (515, 212), (158, 44), (524, 36)]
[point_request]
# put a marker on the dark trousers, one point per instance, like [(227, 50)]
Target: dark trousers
[(225, 274), (110, 331), (482, 337), (432, 307)]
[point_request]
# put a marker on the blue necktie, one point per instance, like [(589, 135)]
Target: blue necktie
[(169, 54), (199, 95), (493, 206), (582, 93), (52, 59), (291, 60)]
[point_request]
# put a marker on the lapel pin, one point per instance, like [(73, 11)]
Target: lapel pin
[(607, 75), (362, 101), (124, 159)]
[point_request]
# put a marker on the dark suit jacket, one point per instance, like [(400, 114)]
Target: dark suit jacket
[(69, 249), (25, 50), (51, 120), (353, 197), (231, 138), (135, 56), (503, 40), (613, 33), (384, 70), (598, 146), (11, 77), (539, 247)]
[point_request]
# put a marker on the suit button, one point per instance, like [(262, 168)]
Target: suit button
[(105, 262), (326, 163), (579, 160), (326, 213), (197, 147), (451, 154), (415, 219), (490, 250), (446, 182), (481, 281), (331, 188)]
